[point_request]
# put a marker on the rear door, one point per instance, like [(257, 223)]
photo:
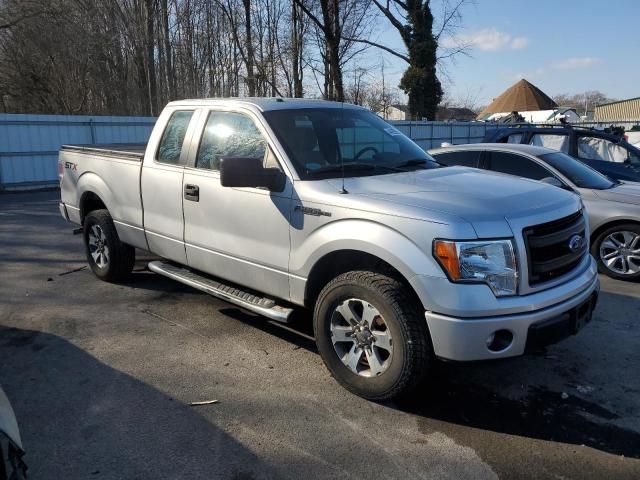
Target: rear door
[(161, 183)]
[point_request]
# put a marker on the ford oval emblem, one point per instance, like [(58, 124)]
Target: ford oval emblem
[(575, 243)]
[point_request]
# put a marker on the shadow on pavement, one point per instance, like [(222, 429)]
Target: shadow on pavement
[(80, 418), (542, 414)]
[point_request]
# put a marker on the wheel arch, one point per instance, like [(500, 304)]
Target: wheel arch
[(90, 201), (338, 262), (93, 193), (607, 225)]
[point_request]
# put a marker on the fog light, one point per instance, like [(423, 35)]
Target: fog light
[(499, 340), (490, 339)]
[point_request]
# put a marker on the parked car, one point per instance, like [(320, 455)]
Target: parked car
[(609, 154), (273, 204), (11, 452), (613, 206)]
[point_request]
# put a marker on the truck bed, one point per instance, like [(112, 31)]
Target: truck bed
[(130, 151)]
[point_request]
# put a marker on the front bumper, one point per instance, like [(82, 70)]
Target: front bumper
[(465, 339)]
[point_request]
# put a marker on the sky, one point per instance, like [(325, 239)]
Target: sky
[(561, 46)]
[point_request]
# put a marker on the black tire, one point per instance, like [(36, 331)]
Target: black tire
[(403, 315), (120, 256), (615, 270)]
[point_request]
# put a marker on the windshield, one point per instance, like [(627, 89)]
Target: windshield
[(325, 142), (577, 172)]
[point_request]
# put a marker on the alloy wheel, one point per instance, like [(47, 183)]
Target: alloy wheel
[(98, 246), (620, 252), (361, 337)]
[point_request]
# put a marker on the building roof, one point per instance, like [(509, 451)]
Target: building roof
[(522, 96), (455, 113), (635, 99), (402, 107)]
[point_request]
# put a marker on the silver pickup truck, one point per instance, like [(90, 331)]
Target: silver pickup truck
[(273, 204)]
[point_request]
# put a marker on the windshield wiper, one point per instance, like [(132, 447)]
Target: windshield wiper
[(349, 167), (415, 162)]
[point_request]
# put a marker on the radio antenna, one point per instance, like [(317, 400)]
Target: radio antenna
[(343, 191)]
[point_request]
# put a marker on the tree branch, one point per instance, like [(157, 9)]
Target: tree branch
[(377, 45), (311, 15)]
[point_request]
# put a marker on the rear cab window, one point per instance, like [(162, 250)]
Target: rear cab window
[(170, 147)]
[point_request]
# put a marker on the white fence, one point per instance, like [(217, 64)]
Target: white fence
[(433, 134), (29, 144)]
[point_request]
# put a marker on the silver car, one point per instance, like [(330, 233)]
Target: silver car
[(613, 207)]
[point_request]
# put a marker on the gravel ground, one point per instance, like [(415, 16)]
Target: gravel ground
[(101, 377)]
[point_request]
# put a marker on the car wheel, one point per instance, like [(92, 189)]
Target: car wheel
[(617, 251), (109, 258), (372, 335)]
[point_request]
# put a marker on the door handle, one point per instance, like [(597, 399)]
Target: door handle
[(192, 193)]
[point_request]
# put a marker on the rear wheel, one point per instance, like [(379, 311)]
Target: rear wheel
[(109, 258), (372, 335), (617, 251)]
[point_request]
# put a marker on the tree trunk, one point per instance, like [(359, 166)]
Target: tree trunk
[(296, 49), (150, 58), (251, 80), (169, 73)]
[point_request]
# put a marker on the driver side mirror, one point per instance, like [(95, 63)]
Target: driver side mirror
[(250, 172)]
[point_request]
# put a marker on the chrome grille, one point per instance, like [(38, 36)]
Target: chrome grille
[(549, 254)]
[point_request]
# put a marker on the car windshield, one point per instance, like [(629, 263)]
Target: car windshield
[(577, 172), (330, 142)]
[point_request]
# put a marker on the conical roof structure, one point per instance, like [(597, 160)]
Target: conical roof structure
[(520, 97)]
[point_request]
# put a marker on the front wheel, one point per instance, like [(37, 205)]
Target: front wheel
[(109, 258), (617, 251), (372, 335)]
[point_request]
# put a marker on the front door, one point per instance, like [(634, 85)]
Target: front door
[(239, 234)]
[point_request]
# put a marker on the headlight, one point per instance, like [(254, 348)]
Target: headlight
[(480, 261)]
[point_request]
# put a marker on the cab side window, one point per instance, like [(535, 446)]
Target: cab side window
[(465, 159), (514, 138), (173, 137), (229, 134), (594, 148), (517, 165), (552, 141)]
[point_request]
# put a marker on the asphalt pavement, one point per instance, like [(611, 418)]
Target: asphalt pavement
[(101, 377)]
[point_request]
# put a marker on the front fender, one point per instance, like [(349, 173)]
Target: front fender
[(366, 236)]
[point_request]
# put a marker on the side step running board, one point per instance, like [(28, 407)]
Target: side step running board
[(249, 301)]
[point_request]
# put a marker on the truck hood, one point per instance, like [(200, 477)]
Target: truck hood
[(488, 201), (623, 193)]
